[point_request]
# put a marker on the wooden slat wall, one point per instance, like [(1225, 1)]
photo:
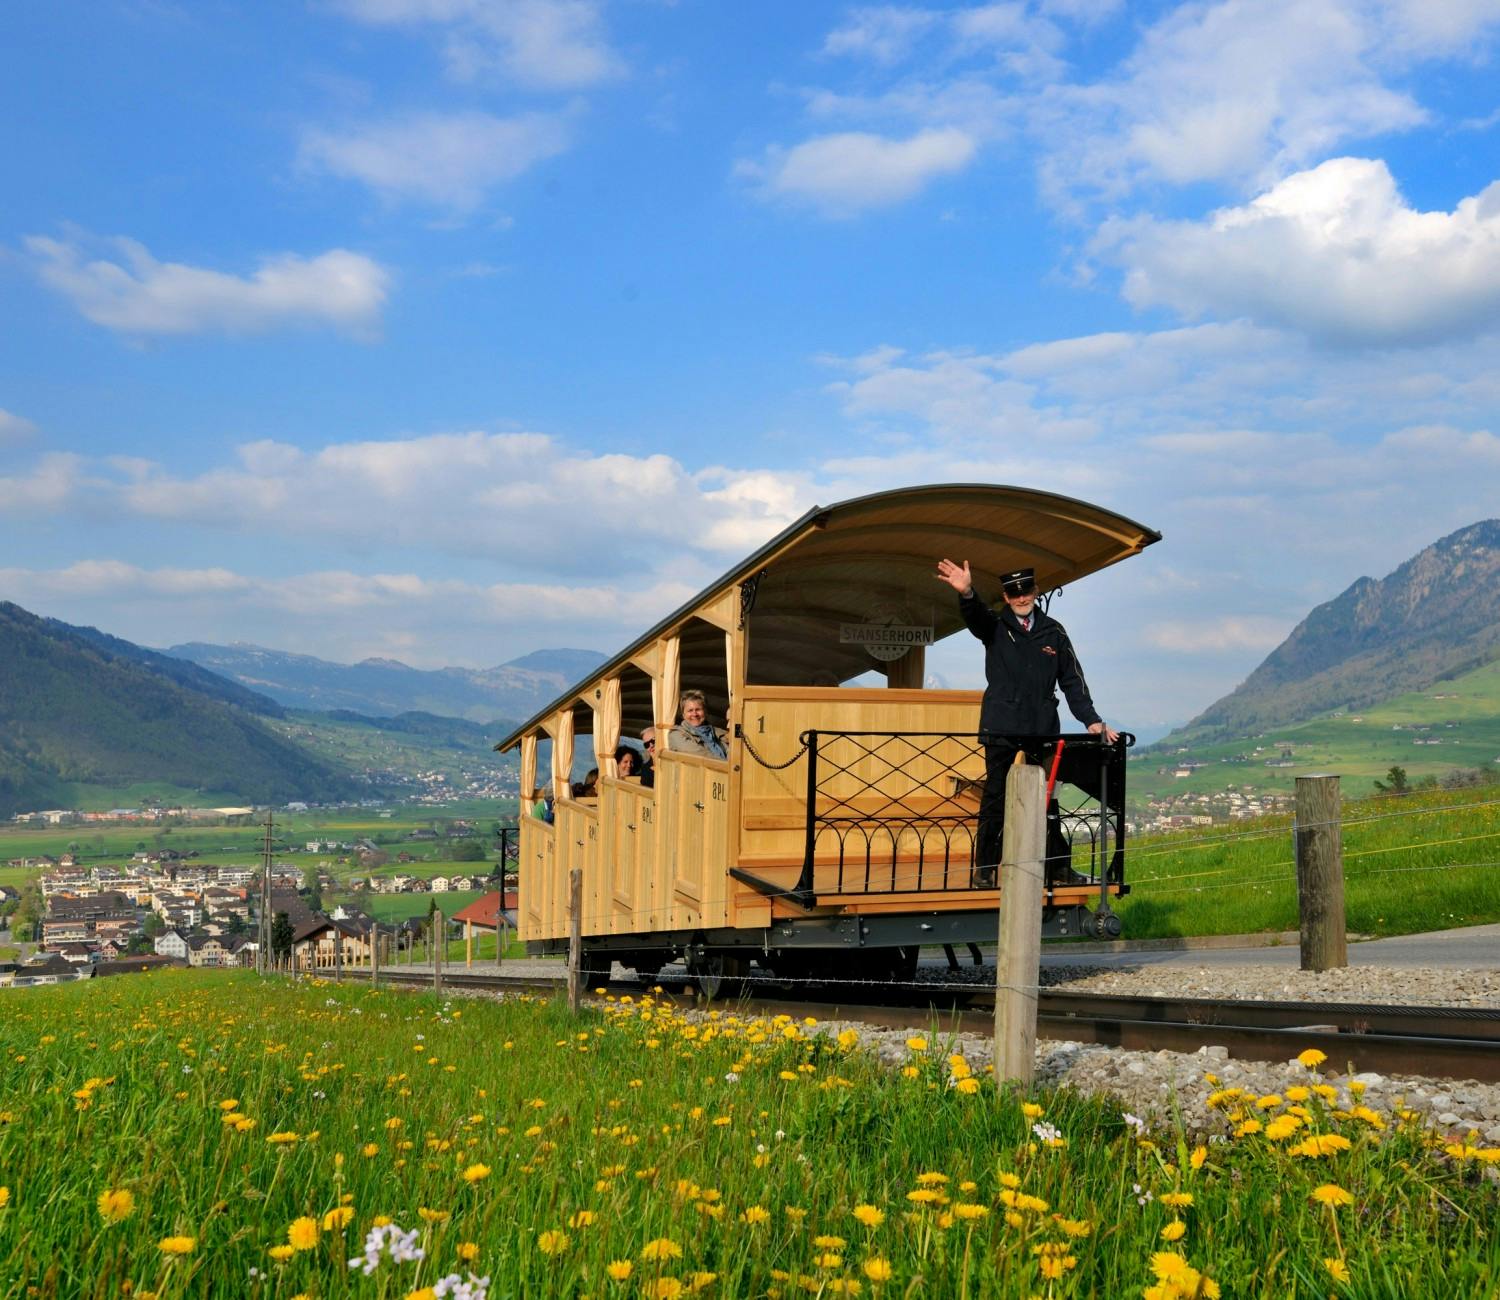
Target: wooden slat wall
[(627, 819), (775, 717)]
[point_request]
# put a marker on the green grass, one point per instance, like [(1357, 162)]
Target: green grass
[(724, 1147), (397, 907), (1427, 861)]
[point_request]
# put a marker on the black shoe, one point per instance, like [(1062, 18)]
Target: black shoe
[(1068, 877), (984, 877)]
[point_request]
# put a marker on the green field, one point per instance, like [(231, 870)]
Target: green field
[(249, 1137), (1359, 751), (1426, 861)]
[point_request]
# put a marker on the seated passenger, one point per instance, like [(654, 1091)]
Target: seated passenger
[(588, 788), (545, 808), (627, 763), (648, 760), (695, 734)]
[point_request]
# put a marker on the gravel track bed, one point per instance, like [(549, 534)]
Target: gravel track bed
[(1161, 1085)]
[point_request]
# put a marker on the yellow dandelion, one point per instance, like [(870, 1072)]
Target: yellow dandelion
[(1177, 1200), (827, 1242), (229, 1103), (1032, 1111), (917, 1044), (931, 1178), (1174, 1231), (370, 1150), (619, 1269), (284, 1138), (433, 1216), (302, 1233), (878, 1270), (664, 1288), (830, 1259), (1332, 1195), (1337, 1270), (177, 1245), (869, 1215), (475, 1173), (968, 1210), (968, 1086), (1312, 1058), (552, 1242), (468, 1251), (1200, 1154), (114, 1205), (337, 1220), (661, 1248), (1075, 1227), (755, 1214)]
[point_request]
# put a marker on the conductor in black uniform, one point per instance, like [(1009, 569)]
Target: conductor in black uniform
[(1027, 659)]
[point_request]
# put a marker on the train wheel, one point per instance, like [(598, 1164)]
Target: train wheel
[(721, 977), (595, 968)]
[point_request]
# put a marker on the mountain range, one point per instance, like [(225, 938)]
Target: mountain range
[(384, 687), (78, 707), (1435, 617)]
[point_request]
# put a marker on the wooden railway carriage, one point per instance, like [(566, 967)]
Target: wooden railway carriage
[(838, 834)]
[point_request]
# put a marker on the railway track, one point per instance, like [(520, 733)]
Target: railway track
[(1436, 1042)]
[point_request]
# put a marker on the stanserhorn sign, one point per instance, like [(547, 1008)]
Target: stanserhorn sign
[(885, 641)]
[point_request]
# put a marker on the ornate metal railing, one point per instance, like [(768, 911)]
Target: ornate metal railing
[(893, 812)]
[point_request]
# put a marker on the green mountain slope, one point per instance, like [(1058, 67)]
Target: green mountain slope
[(1449, 726), (1435, 617), (76, 712)]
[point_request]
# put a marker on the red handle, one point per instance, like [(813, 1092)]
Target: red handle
[(1056, 759)]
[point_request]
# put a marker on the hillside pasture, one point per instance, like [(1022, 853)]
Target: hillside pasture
[(1425, 861)]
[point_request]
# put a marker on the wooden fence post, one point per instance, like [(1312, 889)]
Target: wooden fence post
[(501, 930), (468, 945), (338, 954), (1019, 959), (375, 956), (1320, 873), (575, 938), (437, 944)]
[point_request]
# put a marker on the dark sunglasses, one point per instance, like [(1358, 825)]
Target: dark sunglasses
[(649, 744)]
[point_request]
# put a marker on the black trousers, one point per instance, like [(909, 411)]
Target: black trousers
[(989, 840)]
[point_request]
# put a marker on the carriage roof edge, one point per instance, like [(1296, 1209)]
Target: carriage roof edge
[(1127, 537)]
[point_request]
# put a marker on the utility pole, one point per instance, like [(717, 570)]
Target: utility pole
[(263, 939)]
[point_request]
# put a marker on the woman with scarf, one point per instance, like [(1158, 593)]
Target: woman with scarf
[(695, 734)]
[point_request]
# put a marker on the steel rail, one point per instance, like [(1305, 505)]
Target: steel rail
[(1434, 1042)]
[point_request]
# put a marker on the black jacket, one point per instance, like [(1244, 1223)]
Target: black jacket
[(1024, 670)]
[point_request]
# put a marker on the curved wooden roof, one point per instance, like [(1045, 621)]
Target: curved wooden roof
[(872, 559)]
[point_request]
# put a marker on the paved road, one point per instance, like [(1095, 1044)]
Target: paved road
[(1472, 948)]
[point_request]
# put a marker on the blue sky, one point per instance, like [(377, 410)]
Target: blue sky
[(451, 329)]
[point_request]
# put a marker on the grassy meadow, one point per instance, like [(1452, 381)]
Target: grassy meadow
[(209, 1134), (1429, 860)]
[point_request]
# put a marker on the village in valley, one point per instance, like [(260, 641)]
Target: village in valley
[(161, 907)]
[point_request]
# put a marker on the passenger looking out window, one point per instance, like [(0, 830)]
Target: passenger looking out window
[(695, 734), (648, 762)]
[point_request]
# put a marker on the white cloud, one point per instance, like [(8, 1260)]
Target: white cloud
[(848, 172), (447, 159), (1258, 635), (883, 34), (49, 485), (520, 499), (547, 44), (135, 294), (1335, 252), (13, 428), (428, 622), (1230, 92)]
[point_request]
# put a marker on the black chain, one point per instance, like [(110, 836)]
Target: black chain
[(774, 767)]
